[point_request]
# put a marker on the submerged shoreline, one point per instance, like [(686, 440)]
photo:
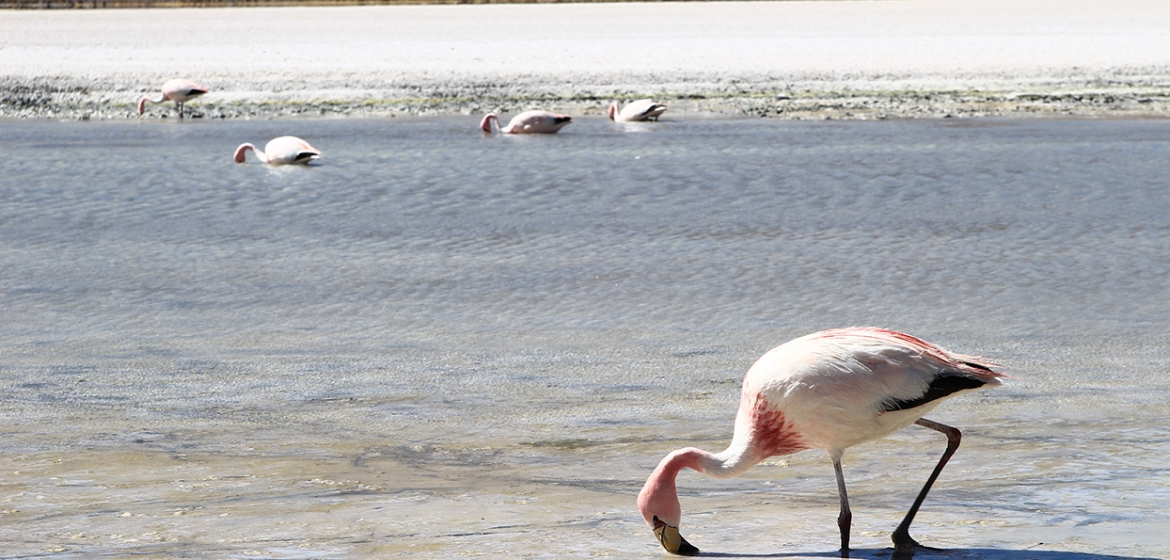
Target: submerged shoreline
[(790, 60)]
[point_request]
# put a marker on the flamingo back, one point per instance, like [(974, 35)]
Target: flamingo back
[(290, 150), (843, 387)]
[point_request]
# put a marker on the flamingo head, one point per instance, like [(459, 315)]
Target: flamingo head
[(658, 502), (486, 123), (142, 104), (613, 110), (242, 152)]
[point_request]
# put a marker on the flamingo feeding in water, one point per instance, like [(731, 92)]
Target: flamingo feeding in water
[(280, 151), (528, 122), (640, 110), (178, 90), (828, 390)]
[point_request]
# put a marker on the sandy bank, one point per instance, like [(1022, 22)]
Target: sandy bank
[(785, 59)]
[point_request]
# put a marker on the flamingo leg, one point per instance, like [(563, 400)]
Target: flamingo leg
[(901, 536), (845, 519)]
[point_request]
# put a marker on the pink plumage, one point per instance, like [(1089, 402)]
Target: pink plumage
[(177, 90), (640, 110), (828, 390), (528, 122), (285, 150)]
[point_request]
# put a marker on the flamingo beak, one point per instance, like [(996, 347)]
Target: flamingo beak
[(671, 540)]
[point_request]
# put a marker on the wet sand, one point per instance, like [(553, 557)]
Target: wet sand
[(775, 59)]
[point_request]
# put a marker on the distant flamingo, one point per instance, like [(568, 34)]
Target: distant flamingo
[(828, 390), (528, 122), (640, 110), (178, 90), (280, 151)]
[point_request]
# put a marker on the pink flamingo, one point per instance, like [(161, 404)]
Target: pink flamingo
[(178, 90), (640, 110), (828, 390), (528, 122), (280, 151)]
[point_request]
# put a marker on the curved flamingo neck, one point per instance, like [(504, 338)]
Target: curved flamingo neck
[(735, 460), (242, 153), (659, 497), (142, 101), (613, 111), (489, 121), (761, 431)]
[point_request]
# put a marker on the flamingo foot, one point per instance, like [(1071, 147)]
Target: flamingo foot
[(672, 541), (903, 541), (905, 546)]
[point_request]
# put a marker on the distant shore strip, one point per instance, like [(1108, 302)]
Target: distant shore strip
[(71, 98), (139, 4)]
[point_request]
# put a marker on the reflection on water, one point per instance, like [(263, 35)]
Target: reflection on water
[(438, 343)]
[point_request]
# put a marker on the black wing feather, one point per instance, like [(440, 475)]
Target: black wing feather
[(947, 383)]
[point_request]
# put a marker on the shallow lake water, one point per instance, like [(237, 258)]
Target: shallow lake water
[(436, 343)]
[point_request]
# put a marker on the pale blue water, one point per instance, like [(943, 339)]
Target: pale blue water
[(490, 329)]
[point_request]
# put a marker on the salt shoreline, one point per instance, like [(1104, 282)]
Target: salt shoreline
[(797, 60), (68, 98)]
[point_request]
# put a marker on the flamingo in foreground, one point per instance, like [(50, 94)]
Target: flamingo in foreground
[(280, 151), (640, 110), (828, 390), (528, 122), (178, 90)]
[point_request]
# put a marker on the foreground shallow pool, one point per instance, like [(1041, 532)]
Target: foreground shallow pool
[(436, 343)]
